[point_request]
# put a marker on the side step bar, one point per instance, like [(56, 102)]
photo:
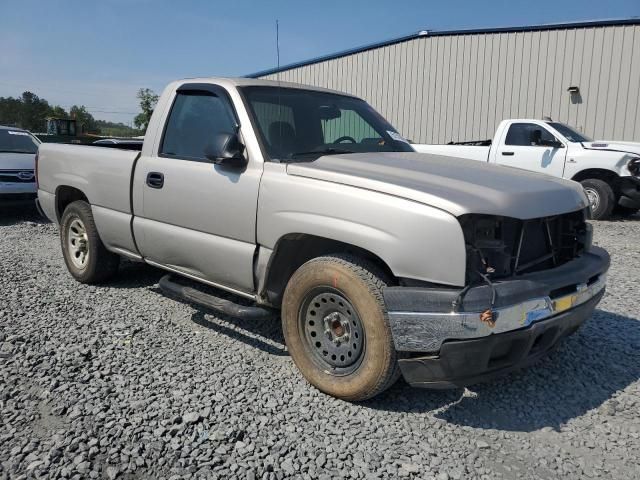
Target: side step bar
[(207, 300)]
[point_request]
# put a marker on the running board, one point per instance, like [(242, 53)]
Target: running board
[(208, 300)]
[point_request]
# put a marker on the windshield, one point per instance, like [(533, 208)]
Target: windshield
[(302, 125), (16, 141), (570, 133)]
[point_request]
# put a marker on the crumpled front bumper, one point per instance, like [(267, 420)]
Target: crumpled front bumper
[(447, 349), (465, 362), (629, 192)]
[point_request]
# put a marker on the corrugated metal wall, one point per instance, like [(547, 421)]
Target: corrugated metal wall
[(442, 88)]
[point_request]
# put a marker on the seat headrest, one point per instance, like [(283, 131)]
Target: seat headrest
[(281, 130)]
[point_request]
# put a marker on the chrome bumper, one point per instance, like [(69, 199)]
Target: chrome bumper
[(426, 331), (422, 319)]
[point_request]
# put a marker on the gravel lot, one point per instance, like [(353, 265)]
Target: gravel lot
[(119, 381)]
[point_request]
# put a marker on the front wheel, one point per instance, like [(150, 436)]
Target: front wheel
[(336, 327), (86, 257), (601, 197)]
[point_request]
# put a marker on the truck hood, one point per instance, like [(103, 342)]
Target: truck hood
[(17, 161), (625, 147), (454, 185)]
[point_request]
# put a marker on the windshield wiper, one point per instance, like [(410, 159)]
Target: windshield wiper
[(16, 151), (320, 153)]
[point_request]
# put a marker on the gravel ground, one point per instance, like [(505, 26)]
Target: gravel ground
[(118, 381)]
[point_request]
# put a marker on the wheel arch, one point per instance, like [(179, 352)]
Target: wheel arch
[(603, 174), (294, 249), (66, 194)]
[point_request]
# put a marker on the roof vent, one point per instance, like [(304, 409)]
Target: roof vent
[(422, 33)]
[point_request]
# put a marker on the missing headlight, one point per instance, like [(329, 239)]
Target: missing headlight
[(488, 241), (502, 246)]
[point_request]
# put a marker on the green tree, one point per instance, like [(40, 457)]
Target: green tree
[(28, 111), (148, 100), (34, 111), (117, 129), (84, 118), (58, 112), (10, 111)]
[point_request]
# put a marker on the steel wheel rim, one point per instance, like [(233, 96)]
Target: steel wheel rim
[(332, 331), (594, 198), (78, 243)]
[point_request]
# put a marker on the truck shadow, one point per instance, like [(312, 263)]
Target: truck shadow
[(135, 275), (588, 368), (265, 335), (586, 371), (618, 218), (16, 214)]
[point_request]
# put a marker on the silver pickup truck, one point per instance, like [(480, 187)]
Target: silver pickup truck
[(382, 261)]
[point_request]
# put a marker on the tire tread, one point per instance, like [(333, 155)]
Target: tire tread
[(104, 264), (607, 196), (374, 280)]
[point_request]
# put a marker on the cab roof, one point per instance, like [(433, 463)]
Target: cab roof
[(253, 82)]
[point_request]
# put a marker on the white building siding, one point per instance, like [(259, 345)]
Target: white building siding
[(442, 88)]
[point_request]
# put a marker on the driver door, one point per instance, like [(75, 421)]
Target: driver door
[(198, 218), (520, 149)]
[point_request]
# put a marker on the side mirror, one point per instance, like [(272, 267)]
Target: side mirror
[(226, 149), (551, 143)]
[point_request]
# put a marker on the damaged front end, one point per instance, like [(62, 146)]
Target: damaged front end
[(501, 247), (529, 284)]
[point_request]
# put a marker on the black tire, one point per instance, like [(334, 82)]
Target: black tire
[(99, 264), (601, 196), (351, 355)]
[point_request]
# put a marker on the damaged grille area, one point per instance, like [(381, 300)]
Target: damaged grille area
[(500, 247)]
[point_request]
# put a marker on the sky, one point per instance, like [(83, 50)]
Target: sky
[(98, 53)]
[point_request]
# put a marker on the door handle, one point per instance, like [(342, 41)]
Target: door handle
[(508, 154), (155, 179)]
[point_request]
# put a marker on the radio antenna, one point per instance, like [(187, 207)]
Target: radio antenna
[(278, 78), (278, 47)]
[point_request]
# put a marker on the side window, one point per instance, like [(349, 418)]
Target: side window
[(349, 124), (195, 117), (523, 134)]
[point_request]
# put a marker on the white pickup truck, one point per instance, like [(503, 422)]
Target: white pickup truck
[(608, 171)]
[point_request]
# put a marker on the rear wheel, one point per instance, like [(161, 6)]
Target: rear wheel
[(336, 327), (86, 257), (601, 197)]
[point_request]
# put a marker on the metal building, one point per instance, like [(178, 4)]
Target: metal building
[(442, 86)]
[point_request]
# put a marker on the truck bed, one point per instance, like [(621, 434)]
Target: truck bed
[(103, 174), (471, 152)]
